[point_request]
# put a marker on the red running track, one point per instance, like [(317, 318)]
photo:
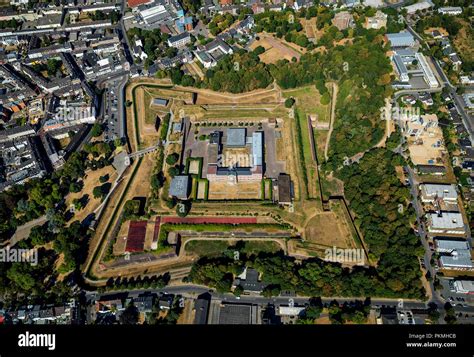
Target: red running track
[(211, 220)]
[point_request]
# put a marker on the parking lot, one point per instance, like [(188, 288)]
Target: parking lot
[(113, 128)]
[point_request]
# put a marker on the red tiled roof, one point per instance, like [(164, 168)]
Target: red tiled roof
[(134, 3)]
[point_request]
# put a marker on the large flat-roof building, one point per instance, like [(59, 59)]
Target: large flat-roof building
[(401, 69), (180, 186), (464, 286), (401, 39), (419, 6), (432, 192), (446, 223), (428, 74), (454, 254), (234, 314)]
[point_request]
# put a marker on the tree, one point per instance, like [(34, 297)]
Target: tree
[(238, 290), (259, 50), (101, 191), (157, 181), (97, 130), (172, 158), (131, 209), (173, 171), (450, 317), (325, 99), (76, 186), (104, 178), (130, 315), (78, 204), (183, 208), (171, 203), (289, 102), (53, 66)]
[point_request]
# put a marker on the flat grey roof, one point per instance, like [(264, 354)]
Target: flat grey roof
[(236, 137), (235, 314), (441, 191), (447, 220), (179, 186)]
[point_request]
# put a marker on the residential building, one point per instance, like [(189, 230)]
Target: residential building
[(201, 308), (184, 23), (179, 41), (249, 281), (211, 53), (468, 100)]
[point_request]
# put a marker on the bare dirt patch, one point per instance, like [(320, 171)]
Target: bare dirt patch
[(91, 180), (230, 191), (275, 49), (201, 190), (328, 229)]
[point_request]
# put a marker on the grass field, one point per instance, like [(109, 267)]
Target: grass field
[(216, 247), (308, 103)]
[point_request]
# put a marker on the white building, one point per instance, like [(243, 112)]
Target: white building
[(428, 74), (150, 14), (290, 310), (431, 192), (450, 10), (423, 5), (400, 68), (464, 286), (455, 255), (451, 223), (180, 40), (467, 80), (210, 54)]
